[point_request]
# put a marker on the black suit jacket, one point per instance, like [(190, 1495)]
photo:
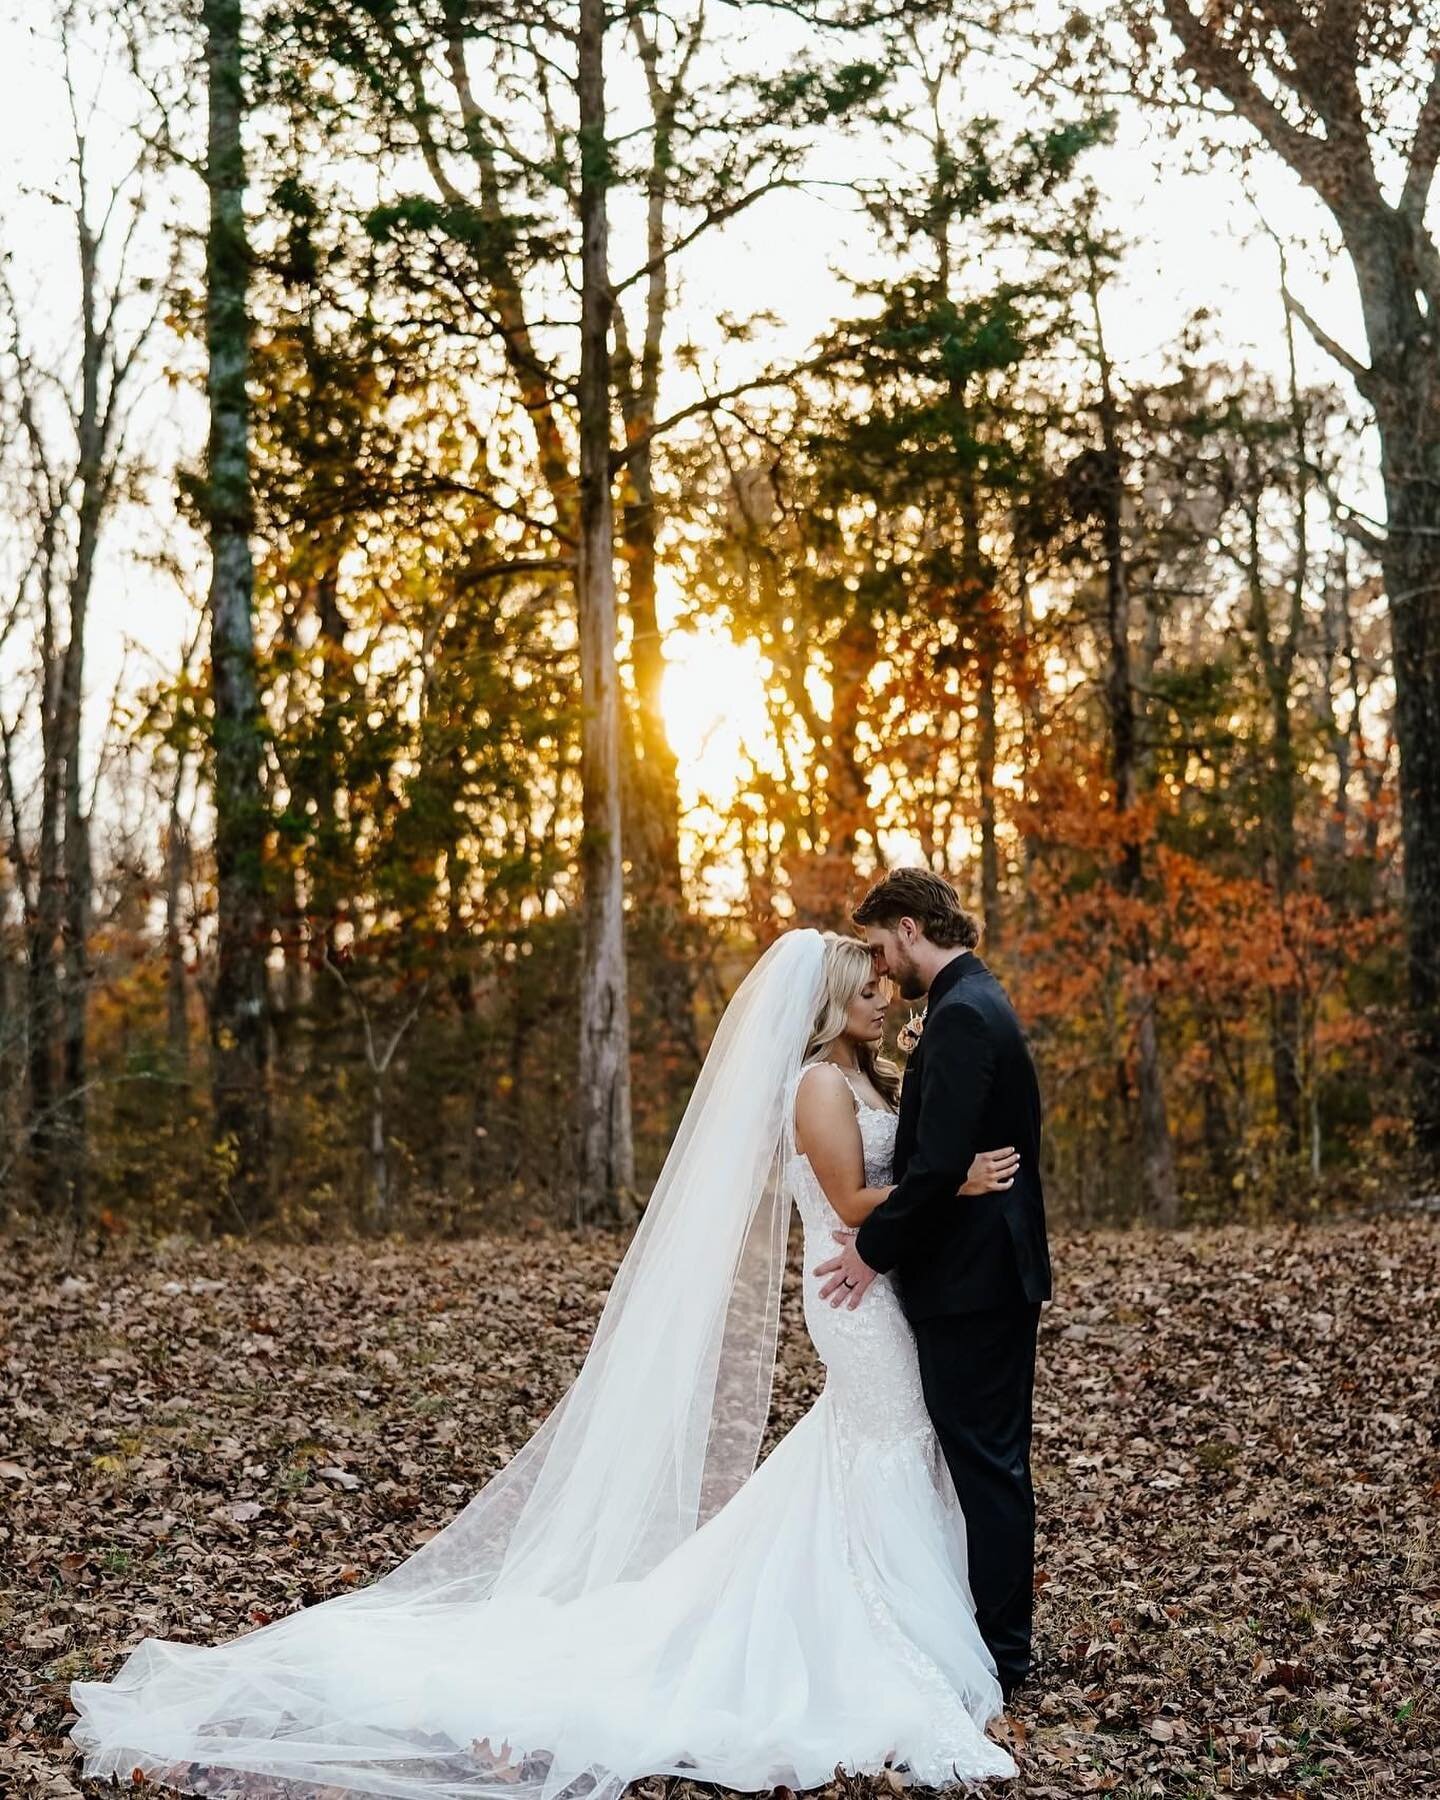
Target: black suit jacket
[(970, 1085)]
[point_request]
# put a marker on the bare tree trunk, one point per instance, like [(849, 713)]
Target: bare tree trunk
[(378, 1063), (380, 1200), (43, 936), (659, 817), (74, 479), (177, 868), (601, 1107), (985, 775), (1024, 665), (605, 1162), (981, 599), (847, 790), (77, 974), (1156, 1151), (659, 903), (1337, 648), (1276, 666), (1158, 1161), (1417, 706), (478, 1057), (316, 900), (659, 891), (1218, 1137), (1409, 422), (42, 988), (1279, 663), (979, 604), (93, 480), (12, 1032), (238, 1026)]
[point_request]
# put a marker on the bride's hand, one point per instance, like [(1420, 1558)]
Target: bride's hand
[(992, 1171)]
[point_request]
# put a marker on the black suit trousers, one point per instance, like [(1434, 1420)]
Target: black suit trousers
[(978, 1373)]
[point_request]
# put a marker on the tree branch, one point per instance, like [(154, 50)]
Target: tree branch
[(1217, 66), (1424, 154), (1360, 373), (515, 565), (718, 215), (710, 402), (19, 861)]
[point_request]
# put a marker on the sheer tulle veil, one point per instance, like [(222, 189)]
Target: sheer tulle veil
[(661, 1426)]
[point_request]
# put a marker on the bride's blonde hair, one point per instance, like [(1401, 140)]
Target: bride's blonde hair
[(848, 967)]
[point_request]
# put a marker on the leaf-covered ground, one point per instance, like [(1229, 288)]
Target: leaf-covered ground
[(1235, 1459)]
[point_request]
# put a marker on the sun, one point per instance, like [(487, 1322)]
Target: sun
[(713, 699)]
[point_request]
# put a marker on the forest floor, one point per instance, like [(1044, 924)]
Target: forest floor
[(1235, 1457)]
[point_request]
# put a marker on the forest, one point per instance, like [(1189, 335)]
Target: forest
[(509, 506), (552, 634)]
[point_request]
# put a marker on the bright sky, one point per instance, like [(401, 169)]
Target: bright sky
[(1196, 243)]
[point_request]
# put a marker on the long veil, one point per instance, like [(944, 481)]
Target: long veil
[(660, 1427)]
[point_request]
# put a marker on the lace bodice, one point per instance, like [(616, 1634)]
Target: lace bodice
[(877, 1144), (877, 1139)]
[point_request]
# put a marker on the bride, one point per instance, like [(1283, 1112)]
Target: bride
[(630, 1596)]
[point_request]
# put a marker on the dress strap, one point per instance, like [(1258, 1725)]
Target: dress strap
[(860, 1105), (824, 1062)]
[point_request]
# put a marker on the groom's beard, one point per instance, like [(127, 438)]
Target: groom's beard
[(911, 983)]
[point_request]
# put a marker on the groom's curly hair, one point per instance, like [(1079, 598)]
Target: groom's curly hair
[(927, 899)]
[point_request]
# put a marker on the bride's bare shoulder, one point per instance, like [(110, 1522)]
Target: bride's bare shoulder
[(824, 1106)]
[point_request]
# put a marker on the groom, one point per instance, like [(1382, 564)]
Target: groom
[(972, 1270)]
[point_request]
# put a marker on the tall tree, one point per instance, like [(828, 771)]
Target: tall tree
[(654, 837), (1348, 96), (73, 424), (605, 1154), (493, 232), (1157, 1159), (238, 1023), (1276, 642), (713, 145)]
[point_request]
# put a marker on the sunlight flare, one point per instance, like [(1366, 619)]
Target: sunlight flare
[(715, 714)]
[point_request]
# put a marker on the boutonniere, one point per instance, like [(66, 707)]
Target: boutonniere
[(909, 1033)]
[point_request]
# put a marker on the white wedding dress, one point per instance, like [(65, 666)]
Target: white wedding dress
[(819, 1617), (822, 1617)]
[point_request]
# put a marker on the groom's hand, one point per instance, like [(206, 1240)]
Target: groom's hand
[(849, 1274)]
